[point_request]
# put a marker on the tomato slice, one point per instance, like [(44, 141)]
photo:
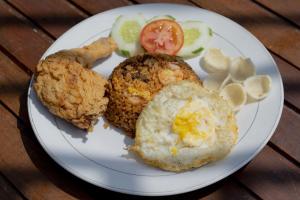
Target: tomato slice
[(162, 36)]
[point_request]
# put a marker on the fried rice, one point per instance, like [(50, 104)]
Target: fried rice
[(135, 81)]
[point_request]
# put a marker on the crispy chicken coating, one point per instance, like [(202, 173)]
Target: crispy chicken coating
[(70, 90)]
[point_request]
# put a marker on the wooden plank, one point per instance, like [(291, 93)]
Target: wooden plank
[(230, 190), (291, 81), (289, 9), (13, 87), (19, 37), (30, 169), (277, 35), (54, 16), (95, 6), (271, 176), (165, 1), (7, 191), (227, 188), (287, 136)]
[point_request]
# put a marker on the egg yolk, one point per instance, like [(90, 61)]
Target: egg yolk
[(193, 123), (174, 151)]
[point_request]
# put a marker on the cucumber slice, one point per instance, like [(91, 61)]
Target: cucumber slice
[(126, 33), (196, 38), (161, 17)]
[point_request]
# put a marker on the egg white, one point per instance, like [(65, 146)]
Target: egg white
[(157, 143)]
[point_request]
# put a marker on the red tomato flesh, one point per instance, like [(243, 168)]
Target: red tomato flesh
[(162, 36)]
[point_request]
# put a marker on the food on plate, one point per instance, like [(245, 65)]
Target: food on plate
[(235, 94), (134, 82), (223, 70), (240, 69), (185, 126), (87, 55), (126, 32), (258, 87), (196, 38), (216, 81), (214, 61), (161, 17), (162, 36), (69, 89)]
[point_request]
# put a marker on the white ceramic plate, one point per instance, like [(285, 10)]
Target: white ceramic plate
[(101, 158)]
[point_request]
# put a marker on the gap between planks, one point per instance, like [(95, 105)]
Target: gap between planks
[(8, 190), (284, 154), (15, 60), (87, 13), (277, 14), (30, 20)]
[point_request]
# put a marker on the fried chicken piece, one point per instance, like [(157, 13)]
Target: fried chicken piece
[(70, 90), (87, 55)]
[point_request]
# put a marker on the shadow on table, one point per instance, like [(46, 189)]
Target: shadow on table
[(62, 20)]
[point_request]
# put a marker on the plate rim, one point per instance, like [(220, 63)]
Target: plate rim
[(141, 193)]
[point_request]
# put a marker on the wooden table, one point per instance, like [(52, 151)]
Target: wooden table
[(29, 27)]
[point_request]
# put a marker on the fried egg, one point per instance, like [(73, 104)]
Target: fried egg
[(185, 126)]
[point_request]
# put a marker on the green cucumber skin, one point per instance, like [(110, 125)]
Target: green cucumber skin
[(124, 53), (127, 48), (173, 18), (194, 54), (210, 32), (154, 18), (197, 51)]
